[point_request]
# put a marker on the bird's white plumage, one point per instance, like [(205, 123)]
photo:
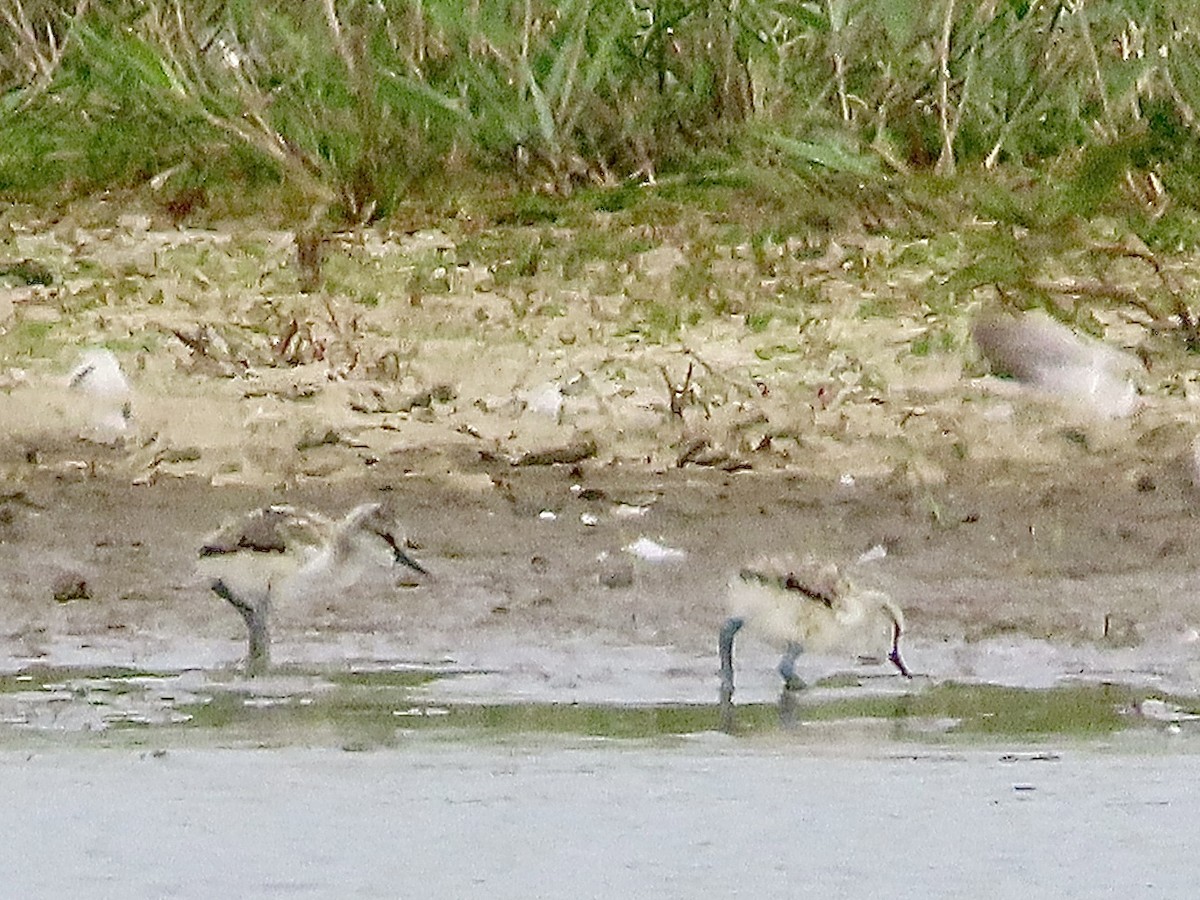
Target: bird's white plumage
[(812, 604), (856, 623), (282, 549), (263, 551), (105, 395), (367, 538)]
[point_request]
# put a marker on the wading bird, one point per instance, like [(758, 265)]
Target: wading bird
[(1049, 357), (278, 549), (807, 606)]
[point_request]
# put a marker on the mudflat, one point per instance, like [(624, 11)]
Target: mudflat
[(548, 455)]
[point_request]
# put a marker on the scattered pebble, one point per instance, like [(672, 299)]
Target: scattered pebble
[(546, 400), (616, 578), (266, 702), (1161, 711), (577, 451), (421, 711), (1040, 756), (69, 586)]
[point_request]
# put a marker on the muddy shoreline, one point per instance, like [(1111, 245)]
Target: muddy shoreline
[(538, 558), (530, 434)]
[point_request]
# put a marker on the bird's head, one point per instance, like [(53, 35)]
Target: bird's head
[(379, 520)]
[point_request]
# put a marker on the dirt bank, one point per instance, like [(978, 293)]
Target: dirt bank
[(529, 450)]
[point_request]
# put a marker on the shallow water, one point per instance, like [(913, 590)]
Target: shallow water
[(129, 783), (380, 707), (710, 817)]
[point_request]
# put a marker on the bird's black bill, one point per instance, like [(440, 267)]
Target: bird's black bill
[(399, 555), (895, 660), (406, 560), (894, 656)]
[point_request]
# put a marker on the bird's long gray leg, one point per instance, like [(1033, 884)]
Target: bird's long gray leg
[(787, 667), (731, 627), (255, 615)]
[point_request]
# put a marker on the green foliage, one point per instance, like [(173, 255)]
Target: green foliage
[(26, 339), (757, 322), (352, 106)]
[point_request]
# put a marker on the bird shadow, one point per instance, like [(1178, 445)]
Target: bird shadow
[(790, 710), (728, 712)]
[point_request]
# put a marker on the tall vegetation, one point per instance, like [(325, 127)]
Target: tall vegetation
[(352, 103)]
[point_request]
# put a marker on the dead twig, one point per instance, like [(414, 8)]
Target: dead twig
[(310, 255), (572, 453), (679, 396), (40, 56), (700, 451), (1179, 307)]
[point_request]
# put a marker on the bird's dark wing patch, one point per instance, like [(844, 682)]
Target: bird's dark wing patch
[(265, 542), (81, 374), (822, 593), (756, 575), (259, 534)]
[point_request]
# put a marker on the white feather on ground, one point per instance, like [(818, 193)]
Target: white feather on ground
[(105, 407)]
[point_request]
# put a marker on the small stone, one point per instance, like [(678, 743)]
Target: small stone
[(68, 586), (617, 578)]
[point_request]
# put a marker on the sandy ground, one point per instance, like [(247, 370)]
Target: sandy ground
[(1026, 540), (517, 822), (531, 434)]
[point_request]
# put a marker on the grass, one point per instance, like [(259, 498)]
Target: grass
[(506, 283), (558, 142), (812, 114), (28, 339), (993, 710)]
